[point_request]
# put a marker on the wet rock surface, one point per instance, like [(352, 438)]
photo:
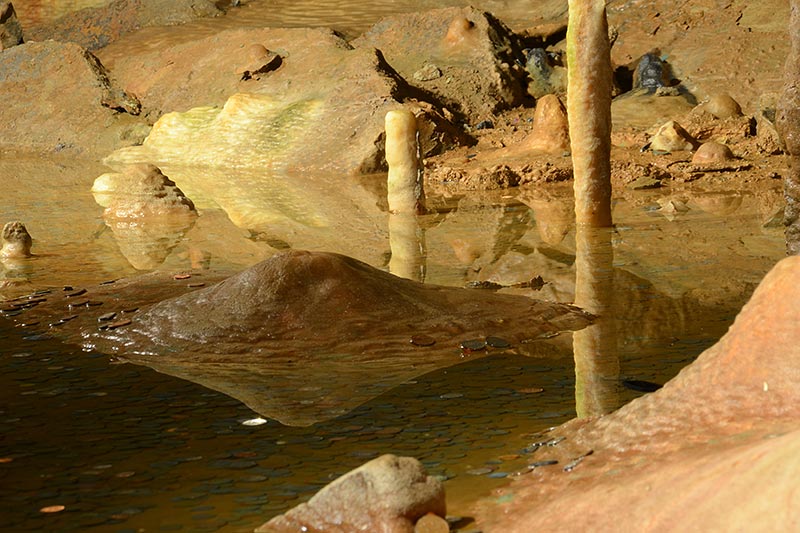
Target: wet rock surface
[(298, 307), (271, 117), (96, 27), (736, 405), (389, 493)]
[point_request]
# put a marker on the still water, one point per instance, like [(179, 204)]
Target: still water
[(125, 448)]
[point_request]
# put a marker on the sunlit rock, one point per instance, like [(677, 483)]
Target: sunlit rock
[(16, 241), (712, 153), (320, 108), (389, 493), (721, 438), (671, 137), (474, 51), (55, 96), (550, 133), (721, 105)]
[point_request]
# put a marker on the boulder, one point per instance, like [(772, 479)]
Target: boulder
[(315, 104), (96, 27), (475, 53), (715, 448), (388, 494), (10, 29), (57, 96)]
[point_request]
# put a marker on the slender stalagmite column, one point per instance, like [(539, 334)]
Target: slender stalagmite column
[(589, 110), (402, 156), (405, 195), (788, 123)]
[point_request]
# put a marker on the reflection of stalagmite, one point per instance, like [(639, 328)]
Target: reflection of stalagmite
[(589, 110), (595, 348), (146, 211), (402, 156), (405, 195), (407, 242)]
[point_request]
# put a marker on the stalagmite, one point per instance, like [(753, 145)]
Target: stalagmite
[(16, 241), (402, 155), (788, 122), (589, 110)]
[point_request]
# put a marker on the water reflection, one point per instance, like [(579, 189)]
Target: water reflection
[(597, 366), (407, 243)]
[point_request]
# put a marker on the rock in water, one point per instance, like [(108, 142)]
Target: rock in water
[(16, 241), (314, 317), (387, 494)]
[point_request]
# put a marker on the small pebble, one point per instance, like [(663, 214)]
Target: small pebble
[(473, 345), (422, 340), (181, 276), (106, 317), (497, 342), (431, 523)]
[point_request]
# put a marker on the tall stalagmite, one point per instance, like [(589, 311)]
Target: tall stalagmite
[(789, 127), (589, 110)]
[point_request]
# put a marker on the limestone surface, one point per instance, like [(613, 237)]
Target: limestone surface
[(54, 97), (320, 108), (388, 494), (474, 51), (96, 27), (715, 448)]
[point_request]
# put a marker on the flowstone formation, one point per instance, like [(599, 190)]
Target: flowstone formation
[(322, 318)]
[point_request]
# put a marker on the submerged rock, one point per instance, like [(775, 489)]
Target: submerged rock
[(388, 494)]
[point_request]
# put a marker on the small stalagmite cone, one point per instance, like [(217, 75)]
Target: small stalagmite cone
[(402, 155)]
